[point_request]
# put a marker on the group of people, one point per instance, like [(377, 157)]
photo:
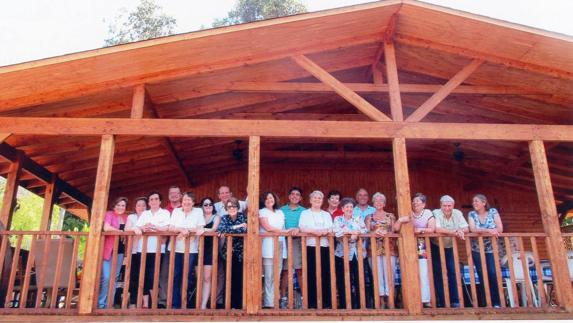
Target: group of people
[(346, 218)]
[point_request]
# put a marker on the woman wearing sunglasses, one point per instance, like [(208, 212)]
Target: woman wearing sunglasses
[(212, 221)]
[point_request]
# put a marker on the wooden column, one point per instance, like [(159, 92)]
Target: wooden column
[(393, 83), (550, 221), (50, 197), (252, 250), (409, 268), (9, 201), (99, 205)]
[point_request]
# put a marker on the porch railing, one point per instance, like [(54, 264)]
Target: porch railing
[(46, 277), (44, 271)]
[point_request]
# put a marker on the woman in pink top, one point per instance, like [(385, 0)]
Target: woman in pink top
[(114, 221), (424, 222)]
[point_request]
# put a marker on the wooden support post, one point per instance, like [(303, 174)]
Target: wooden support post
[(409, 268), (99, 206), (356, 100), (393, 83), (12, 182), (253, 252), (550, 220), (50, 197), (444, 91), (138, 102)]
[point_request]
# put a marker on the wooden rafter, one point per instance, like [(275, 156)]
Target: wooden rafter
[(4, 136), (283, 128), (10, 153), (339, 87), (173, 154), (377, 87), (140, 101), (471, 53), (444, 91)]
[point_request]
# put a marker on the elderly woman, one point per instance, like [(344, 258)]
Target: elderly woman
[(351, 226), (185, 221), (234, 222), (114, 222), (485, 220), (271, 219), (155, 220), (212, 221), (318, 223), (451, 223), (382, 223), (140, 206), (424, 222)]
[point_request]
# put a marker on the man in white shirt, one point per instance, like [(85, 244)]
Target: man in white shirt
[(450, 222), (224, 193)]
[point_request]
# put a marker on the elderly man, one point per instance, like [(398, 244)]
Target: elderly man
[(362, 208), (451, 223), (224, 193), (174, 196)]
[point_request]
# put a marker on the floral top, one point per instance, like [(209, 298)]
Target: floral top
[(226, 226), (342, 225), (489, 223), (383, 226), (422, 222)]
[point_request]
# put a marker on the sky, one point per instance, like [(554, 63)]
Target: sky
[(35, 29)]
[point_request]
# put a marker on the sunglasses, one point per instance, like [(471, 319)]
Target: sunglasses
[(207, 204), (232, 207)]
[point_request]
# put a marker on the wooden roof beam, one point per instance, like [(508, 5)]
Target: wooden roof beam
[(377, 87), (393, 82), (4, 136), (339, 87), (444, 91), (40, 172), (140, 101), (284, 128), (471, 53), (178, 73)]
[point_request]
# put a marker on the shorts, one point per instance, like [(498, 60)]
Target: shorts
[(296, 255)]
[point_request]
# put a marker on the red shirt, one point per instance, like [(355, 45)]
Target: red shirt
[(336, 213), (170, 207)]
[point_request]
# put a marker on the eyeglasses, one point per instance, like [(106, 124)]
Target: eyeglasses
[(232, 207), (207, 204)]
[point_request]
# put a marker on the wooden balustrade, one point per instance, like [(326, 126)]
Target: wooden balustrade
[(487, 275), (352, 285), (45, 276)]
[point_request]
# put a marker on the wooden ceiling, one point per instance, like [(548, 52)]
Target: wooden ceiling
[(245, 72)]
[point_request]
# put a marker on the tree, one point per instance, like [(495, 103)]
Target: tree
[(253, 10), (145, 22)]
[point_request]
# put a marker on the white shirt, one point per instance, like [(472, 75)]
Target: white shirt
[(315, 221), (136, 242), (276, 220), (220, 208), (191, 220), (161, 218)]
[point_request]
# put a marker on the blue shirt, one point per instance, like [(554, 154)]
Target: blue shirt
[(363, 214), (292, 216)]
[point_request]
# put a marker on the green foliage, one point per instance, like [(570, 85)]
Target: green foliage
[(73, 223), (146, 22), (253, 10)]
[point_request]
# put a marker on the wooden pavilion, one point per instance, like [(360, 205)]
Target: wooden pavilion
[(393, 96)]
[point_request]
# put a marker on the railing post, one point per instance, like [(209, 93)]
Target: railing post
[(253, 248), (101, 191), (550, 221), (409, 268), (9, 201)]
